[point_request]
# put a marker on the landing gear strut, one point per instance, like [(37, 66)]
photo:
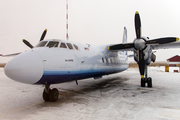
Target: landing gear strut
[(147, 80), (50, 95)]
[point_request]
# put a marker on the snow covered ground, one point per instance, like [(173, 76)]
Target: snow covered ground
[(114, 97)]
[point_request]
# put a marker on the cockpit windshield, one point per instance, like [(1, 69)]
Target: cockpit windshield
[(53, 44), (41, 44)]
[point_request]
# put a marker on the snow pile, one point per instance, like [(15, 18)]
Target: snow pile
[(162, 69)]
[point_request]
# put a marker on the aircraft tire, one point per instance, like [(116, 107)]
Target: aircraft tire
[(149, 81), (143, 83), (54, 95), (46, 96)]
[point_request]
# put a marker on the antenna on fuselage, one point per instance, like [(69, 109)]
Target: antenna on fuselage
[(67, 36)]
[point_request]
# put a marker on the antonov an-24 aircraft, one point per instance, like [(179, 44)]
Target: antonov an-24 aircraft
[(56, 61)]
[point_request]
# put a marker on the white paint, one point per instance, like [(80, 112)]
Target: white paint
[(31, 65), (26, 67), (174, 63)]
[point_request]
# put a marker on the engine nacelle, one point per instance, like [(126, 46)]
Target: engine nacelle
[(153, 57), (148, 55)]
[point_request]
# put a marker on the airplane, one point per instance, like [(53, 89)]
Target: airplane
[(54, 61)]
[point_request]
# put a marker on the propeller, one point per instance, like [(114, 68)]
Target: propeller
[(141, 63), (137, 25), (141, 43), (43, 35), (121, 46), (27, 43), (42, 38)]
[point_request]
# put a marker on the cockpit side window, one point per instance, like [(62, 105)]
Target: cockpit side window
[(63, 45), (70, 46), (76, 47), (52, 44), (41, 44)]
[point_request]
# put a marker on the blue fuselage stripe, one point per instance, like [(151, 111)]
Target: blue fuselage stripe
[(53, 77)]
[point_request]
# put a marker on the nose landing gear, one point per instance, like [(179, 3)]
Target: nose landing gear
[(147, 80), (50, 95)]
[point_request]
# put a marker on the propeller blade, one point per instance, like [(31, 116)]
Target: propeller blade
[(162, 40), (141, 63), (121, 46), (137, 25), (43, 35), (27, 43)]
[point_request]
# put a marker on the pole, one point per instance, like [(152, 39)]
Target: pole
[(67, 20)]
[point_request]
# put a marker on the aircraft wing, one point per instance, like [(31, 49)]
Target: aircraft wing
[(10, 55)]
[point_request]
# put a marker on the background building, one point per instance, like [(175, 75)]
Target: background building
[(174, 61)]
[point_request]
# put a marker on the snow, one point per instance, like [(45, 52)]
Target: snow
[(115, 97)]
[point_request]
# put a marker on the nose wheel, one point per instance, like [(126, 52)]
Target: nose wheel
[(50, 95)]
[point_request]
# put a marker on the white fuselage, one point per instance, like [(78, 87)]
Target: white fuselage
[(53, 64)]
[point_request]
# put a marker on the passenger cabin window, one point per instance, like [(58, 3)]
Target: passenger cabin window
[(41, 44), (63, 45), (107, 60), (76, 47), (102, 59), (70, 46), (52, 44), (111, 60)]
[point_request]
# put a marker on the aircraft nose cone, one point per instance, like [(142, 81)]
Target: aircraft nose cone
[(26, 68)]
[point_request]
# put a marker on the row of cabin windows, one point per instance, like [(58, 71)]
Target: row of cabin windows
[(111, 60), (56, 44)]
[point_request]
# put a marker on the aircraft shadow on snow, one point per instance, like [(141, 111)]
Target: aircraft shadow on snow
[(103, 86)]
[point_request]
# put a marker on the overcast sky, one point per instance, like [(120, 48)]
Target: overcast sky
[(90, 21)]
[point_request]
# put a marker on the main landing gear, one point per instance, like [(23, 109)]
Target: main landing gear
[(50, 95), (147, 80)]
